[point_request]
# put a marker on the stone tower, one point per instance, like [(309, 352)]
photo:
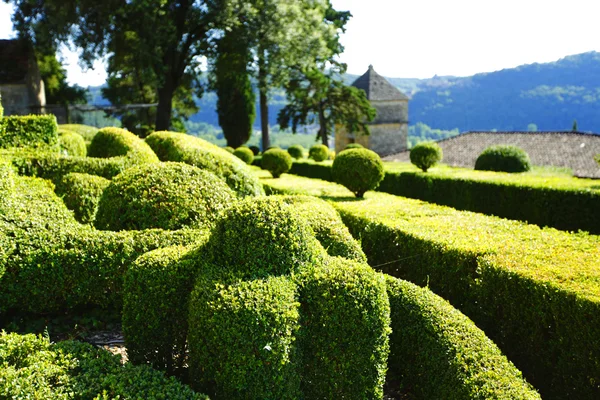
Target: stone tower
[(389, 129)]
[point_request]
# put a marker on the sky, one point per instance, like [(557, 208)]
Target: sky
[(423, 38)]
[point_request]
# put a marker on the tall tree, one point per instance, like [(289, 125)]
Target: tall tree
[(58, 90)]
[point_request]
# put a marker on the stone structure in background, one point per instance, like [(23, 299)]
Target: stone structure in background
[(389, 130), (21, 86)]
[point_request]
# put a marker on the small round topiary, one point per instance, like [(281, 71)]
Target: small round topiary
[(71, 143), (273, 147), (296, 151), (426, 155), (255, 150), (229, 149), (503, 158), (276, 161), (358, 169), (163, 195), (354, 146), (244, 154), (319, 152)]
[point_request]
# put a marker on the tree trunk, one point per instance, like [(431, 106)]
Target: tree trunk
[(165, 105), (323, 131), (264, 106)]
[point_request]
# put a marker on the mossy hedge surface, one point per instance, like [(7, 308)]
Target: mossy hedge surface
[(81, 194), (179, 147), (34, 368), (490, 268), (29, 131)]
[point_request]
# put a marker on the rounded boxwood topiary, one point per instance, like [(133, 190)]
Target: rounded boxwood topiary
[(229, 149), (276, 161), (358, 169), (162, 195), (296, 151), (244, 154), (426, 155), (255, 150), (354, 146), (503, 158), (319, 152), (71, 144), (116, 142), (81, 193)]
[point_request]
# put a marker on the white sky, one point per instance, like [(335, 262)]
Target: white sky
[(422, 38)]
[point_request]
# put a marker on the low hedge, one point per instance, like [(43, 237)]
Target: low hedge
[(71, 144), (163, 195), (179, 147), (490, 268), (29, 131), (439, 353), (87, 132), (117, 142), (32, 367), (81, 194)]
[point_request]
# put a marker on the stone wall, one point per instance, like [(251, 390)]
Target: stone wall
[(15, 97), (390, 111), (385, 139)]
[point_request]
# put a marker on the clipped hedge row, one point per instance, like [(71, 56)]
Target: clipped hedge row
[(81, 193), (32, 367), (179, 147), (117, 142), (439, 353), (71, 144), (534, 291), (29, 131), (87, 132)]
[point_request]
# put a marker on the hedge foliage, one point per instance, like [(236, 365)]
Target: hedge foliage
[(503, 158), (32, 367), (117, 142), (439, 353), (81, 194), (71, 144), (29, 131), (87, 132), (359, 170), (318, 152), (296, 151), (244, 154), (172, 146), (426, 155), (163, 195), (276, 161)]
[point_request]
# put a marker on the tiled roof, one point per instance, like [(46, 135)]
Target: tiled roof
[(14, 61), (574, 150), (377, 87)]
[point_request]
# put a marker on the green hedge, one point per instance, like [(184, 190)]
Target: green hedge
[(29, 131), (534, 291), (71, 144), (81, 194), (117, 142), (439, 353), (87, 132), (179, 147), (32, 367)]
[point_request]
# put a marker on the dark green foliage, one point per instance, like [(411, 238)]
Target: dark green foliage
[(163, 195), (354, 146), (438, 352), (426, 155), (117, 142), (310, 169), (242, 339), (345, 317), (81, 193), (255, 150), (327, 226), (244, 154), (318, 152), (359, 170), (71, 144), (229, 149), (35, 368), (172, 146), (296, 151), (503, 158), (29, 131), (276, 161)]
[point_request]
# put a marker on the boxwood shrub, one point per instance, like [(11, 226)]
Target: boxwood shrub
[(276, 161), (81, 194), (87, 132), (71, 144), (426, 155), (503, 158), (318, 152), (359, 170), (244, 154), (163, 195), (29, 131), (117, 142), (296, 151), (172, 146)]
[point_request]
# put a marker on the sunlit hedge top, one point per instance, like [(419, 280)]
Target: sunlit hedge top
[(117, 142)]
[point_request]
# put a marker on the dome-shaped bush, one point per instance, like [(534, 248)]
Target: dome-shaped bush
[(426, 155), (358, 169), (116, 142), (244, 154), (255, 150), (71, 144), (229, 149), (81, 193), (354, 146), (319, 152), (296, 151), (163, 195), (276, 161), (503, 158)]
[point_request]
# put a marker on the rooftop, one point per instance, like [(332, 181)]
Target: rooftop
[(377, 87)]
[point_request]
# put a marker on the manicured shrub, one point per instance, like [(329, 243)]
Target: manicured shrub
[(229, 149), (426, 155), (71, 144), (345, 318), (331, 155), (163, 195), (318, 152), (117, 142), (438, 352), (244, 154), (242, 339), (271, 147), (327, 225), (255, 150), (172, 146), (354, 146), (87, 132), (29, 131), (503, 158), (81, 193), (296, 151), (276, 161), (359, 170)]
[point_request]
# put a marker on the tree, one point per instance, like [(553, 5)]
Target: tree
[(574, 128), (532, 127), (58, 91)]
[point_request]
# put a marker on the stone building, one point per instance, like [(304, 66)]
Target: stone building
[(389, 130), (21, 86)]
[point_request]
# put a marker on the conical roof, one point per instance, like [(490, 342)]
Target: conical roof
[(377, 87)]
